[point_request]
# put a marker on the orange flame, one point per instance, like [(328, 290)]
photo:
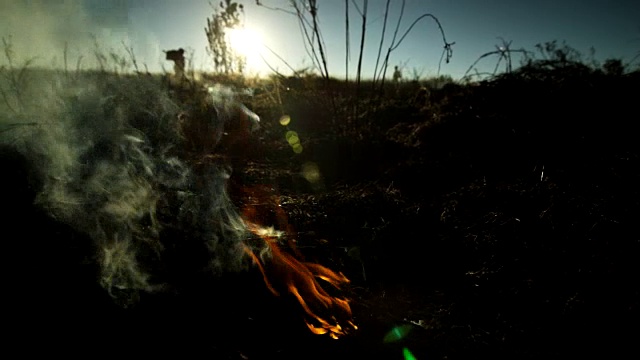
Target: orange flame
[(284, 272)]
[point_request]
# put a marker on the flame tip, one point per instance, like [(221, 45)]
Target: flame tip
[(299, 279)]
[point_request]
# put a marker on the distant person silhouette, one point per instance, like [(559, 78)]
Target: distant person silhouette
[(177, 56), (397, 74)]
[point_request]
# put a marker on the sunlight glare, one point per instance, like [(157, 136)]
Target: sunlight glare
[(248, 43)]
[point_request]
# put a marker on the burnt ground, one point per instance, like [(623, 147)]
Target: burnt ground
[(498, 222)]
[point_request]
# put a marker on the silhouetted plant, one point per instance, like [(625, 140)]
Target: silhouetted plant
[(306, 12), (227, 17), (561, 54), (613, 67), (447, 51), (504, 53), (15, 76)]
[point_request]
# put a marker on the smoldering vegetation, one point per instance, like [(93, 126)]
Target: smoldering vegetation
[(118, 216)]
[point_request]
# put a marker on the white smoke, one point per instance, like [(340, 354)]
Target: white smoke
[(116, 160)]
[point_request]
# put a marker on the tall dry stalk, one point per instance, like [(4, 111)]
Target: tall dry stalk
[(447, 50), (347, 54), (384, 30), (363, 15)]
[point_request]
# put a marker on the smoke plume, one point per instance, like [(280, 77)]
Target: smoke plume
[(119, 159)]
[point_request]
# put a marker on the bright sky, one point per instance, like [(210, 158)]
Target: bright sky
[(41, 27)]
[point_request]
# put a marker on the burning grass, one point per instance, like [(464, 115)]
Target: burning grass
[(140, 166)]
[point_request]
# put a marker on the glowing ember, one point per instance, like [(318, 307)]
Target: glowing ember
[(285, 273)]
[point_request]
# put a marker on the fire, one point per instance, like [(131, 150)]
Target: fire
[(283, 272)]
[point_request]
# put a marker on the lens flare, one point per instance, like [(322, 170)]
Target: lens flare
[(297, 148), (285, 120), (407, 354), (292, 137), (397, 333), (311, 172)]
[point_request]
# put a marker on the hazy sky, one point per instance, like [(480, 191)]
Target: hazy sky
[(40, 28)]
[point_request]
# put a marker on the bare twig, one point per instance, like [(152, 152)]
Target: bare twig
[(394, 45), (274, 70), (100, 57), (393, 40), (13, 76), (504, 53), (132, 56), (310, 46), (362, 37), (313, 10), (347, 55), (258, 3), (280, 58), (65, 52), (384, 28)]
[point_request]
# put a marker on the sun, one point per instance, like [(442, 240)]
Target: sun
[(248, 43)]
